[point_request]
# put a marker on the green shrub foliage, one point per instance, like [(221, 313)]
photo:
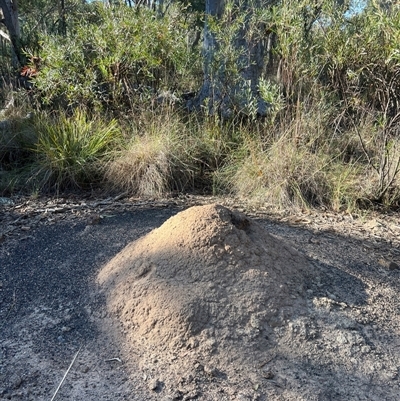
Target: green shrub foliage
[(114, 58)]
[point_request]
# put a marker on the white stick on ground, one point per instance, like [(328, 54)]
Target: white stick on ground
[(65, 375)]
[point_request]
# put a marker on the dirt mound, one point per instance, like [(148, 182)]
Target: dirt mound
[(201, 296)]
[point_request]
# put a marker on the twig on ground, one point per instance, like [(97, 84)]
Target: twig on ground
[(66, 373), (113, 359), (261, 365)]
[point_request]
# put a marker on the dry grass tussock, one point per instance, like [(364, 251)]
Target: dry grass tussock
[(282, 175), (158, 157), (16, 129), (286, 172), (302, 161)]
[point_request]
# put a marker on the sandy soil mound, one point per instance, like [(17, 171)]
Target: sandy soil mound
[(203, 293)]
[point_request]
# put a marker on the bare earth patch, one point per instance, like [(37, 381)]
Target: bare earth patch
[(205, 303), (202, 295)]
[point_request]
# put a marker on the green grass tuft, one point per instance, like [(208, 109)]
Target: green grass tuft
[(71, 150)]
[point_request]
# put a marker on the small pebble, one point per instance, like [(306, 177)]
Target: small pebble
[(85, 369), (269, 375), (154, 384), (210, 370)]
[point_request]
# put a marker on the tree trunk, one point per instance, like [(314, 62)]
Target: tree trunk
[(62, 19), (10, 12), (229, 90), (209, 90)]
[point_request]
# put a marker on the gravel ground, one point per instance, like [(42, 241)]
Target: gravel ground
[(54, 325)]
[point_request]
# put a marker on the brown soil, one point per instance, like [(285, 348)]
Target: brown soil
[(203, 295), (211, 305)]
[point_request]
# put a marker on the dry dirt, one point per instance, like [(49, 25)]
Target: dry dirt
[(130, 300)]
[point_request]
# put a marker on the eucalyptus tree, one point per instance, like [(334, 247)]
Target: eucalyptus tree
[(24, 21), (234, 51), (244, 54), (10, 19)]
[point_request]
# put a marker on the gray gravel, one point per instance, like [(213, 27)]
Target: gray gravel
[(346, 348)]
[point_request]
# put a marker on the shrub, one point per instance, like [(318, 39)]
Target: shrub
[(115, 58)]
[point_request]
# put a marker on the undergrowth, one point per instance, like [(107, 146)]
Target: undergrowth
[(298, 163), (108, 108)]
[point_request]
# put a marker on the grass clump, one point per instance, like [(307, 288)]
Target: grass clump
[(167, 151), (158, 157), (298, 163), (17, 139), (284, 175), (71, 150)]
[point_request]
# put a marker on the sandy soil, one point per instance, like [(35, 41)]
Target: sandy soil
[(339, 338)]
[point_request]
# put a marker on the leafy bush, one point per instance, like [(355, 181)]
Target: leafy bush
[(114, 58), (350, 64)]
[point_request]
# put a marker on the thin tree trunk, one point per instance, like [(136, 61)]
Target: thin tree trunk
[(209, 91), (63, 22), (10, 12), (221, 93)]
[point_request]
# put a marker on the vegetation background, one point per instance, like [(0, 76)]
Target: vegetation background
[(290, 103)]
